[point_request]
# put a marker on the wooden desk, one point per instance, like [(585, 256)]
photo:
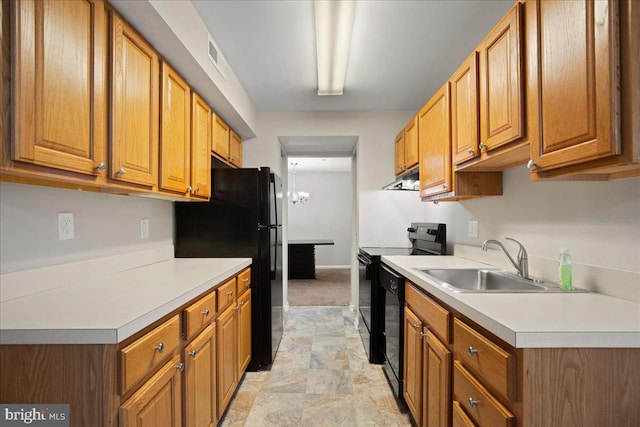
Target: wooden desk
[(302, 257)]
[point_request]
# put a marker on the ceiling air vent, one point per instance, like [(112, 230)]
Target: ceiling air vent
[(215, 55)]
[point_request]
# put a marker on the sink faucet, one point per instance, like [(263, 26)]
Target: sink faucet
[(523, 261)]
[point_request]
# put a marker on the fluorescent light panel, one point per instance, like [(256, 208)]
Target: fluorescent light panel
[(334, 22)]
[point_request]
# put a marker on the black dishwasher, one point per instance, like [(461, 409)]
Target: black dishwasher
[(393, 285)]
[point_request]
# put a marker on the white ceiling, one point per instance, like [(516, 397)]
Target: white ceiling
[(320, 164), (401, 51)]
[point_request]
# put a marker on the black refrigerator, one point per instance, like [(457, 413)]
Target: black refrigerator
[(242, 219)]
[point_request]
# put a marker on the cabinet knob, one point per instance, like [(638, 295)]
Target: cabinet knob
[(246, 280), (531, 164), (189, 189), (237, 308), (472, 351), (159, 347), (472, 402), (230, 293), (470, 151), (422, 335), (193, 354), (206, 312), (482, 146), (444, 186), (180, 367), (101, 167), (415, 326), (121, 172), (197, 190)]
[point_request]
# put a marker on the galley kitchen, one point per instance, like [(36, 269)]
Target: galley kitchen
[(320, 212)]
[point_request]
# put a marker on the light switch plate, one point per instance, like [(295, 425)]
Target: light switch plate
[(66, 227), (473, 229), (144, 228)]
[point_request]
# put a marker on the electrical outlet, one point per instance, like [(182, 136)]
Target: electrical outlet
[(65, 226), (144, 228), (473, 229)]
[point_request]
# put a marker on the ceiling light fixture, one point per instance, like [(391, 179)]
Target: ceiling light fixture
[(334, 22)]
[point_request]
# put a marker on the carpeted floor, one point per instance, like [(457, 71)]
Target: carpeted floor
[(330, 288)]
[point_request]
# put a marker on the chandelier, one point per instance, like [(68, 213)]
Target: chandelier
[(294, 195)]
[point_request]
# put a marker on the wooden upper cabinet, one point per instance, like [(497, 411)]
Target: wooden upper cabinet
[(59, 84), (399, 153), (411, 151), (435, 145), (200, 147), (175, 136), (501, 83), (220, 144), (134, 106), (573, 84), (235, 149), (464, 111)]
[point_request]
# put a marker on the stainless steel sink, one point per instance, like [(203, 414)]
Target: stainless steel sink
[(489, 281)]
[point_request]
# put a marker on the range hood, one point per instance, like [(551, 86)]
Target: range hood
[(407, 181)]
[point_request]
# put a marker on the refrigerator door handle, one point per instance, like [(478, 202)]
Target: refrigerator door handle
[(263, 227)]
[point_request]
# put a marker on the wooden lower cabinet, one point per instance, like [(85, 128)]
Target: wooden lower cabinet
[(413, 364), (158, 402), (244, 331), (436, 380), (227, 353), (200, 380)]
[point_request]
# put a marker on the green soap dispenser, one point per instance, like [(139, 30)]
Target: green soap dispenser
[(565, 269)]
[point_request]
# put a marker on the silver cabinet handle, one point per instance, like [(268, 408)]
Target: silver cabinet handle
[(415, 326), (197, 190), (241, 303), (180, 367), (472, 351), (189, 189), (237, 308), (531, 164), (246, 280), (101, 167), (206, 312), (472, 402), (159, 347), (422, 335), (470, 151), (482, 146), (444, 186), (193, 354), (121, 172), (230, 293)]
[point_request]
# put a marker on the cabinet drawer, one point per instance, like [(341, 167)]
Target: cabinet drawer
[(460, 419), (140, 358), (244, 281), (490, 363), (481, 406), (199, 314), (226, 294), (436, 317)]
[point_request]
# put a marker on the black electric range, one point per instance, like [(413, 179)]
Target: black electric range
[(380, 317)]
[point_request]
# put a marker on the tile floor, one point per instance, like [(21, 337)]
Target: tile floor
[(320, 377)]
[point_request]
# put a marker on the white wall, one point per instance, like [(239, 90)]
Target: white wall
[(327, 214), (383, 215), (104, 225)]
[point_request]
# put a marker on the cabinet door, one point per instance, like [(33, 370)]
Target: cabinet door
[(244, 332), (175, 137), (200, 380), (134, 107), (413, 364), (501, 90), (436, 371), (200, 147), (460, 418), (220, 144), (435, 145), (411, 152), (464, 111), (59, 104), (158, 401), (399, 153), (227, 348), (235, 149), (573, 81)]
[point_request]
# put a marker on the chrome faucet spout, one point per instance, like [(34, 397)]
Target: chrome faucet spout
[(522, 265)]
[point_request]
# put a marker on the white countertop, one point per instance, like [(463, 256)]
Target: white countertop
[(111, 307), (533, 320)]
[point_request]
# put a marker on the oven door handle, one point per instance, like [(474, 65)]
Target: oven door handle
[(364, 260)]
